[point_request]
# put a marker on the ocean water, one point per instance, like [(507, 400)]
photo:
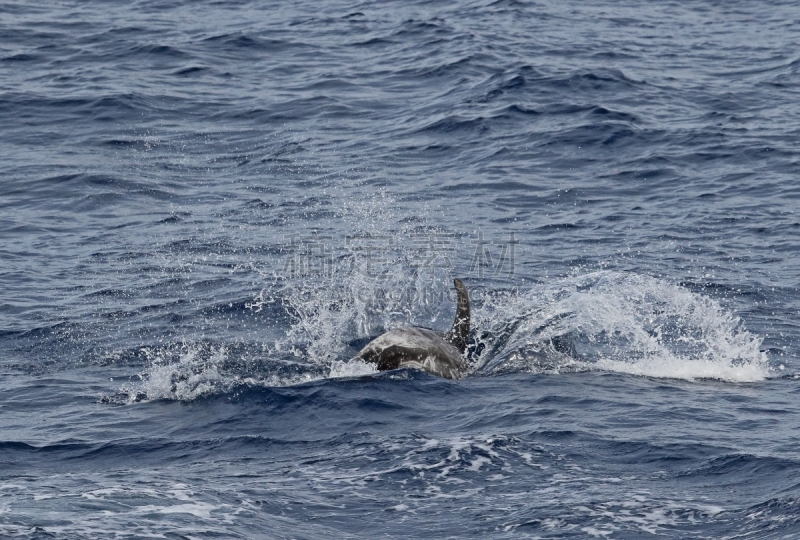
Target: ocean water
[(207, 208)]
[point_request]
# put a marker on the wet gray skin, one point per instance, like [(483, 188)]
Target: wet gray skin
[(437, 353)]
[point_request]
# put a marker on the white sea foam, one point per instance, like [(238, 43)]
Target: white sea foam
[(118, 510), (198, 509), (352, 299), (351, 368), (622, 322), (202, 370), (612, 321), (689, 369)]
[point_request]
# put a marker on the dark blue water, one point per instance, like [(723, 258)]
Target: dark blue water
[(207, 208)]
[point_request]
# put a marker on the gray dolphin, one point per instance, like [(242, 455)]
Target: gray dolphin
[(420, 348)]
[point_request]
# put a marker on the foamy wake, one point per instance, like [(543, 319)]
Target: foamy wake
[(626, 323), (202, 370), (609, 321), (351, 368)]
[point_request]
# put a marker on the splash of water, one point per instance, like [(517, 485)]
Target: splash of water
[(608, 321), (360, 295), (604, 320), (619, 322), (188, 371), (329, 307)]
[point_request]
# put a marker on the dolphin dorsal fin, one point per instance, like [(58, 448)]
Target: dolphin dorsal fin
[(458, 333)]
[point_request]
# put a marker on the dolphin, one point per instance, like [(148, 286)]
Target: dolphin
[(421, 348)]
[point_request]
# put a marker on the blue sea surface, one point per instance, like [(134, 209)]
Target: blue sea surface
[(207, 208)]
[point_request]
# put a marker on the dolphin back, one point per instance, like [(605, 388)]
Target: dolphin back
[(460, 330)]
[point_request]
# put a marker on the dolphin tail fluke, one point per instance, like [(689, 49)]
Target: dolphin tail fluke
[(460, 330)]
